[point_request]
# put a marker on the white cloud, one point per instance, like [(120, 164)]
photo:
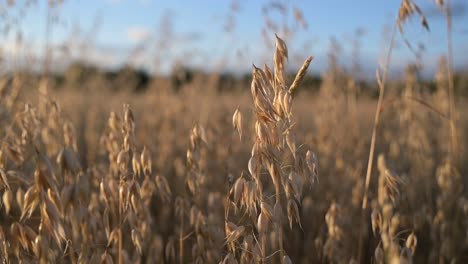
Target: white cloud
[(137, 34)]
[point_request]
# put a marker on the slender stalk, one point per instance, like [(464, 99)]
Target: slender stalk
[(263, 238), (280, 237), (377, 118), (373, 139), (452, 109), (393, 102), (120, 261), (181, 239), (120, 257), (280, 224)]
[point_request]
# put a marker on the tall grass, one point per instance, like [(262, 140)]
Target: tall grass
[(273, 174)]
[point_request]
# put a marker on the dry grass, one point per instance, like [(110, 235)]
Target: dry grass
[(273, 174), (188, 220)]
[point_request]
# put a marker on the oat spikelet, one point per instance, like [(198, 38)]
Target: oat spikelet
[(268, 74), (235, 234), (145, 161), (279, 59), (287, 260), (291, 142), (411, 242), (7, 200), (3, 179), (237, 122), (238, 189), (300, 75), (137, 241), (379, 255), (263, 223), (136, 163), (312, 164), (286, 102), (299, 17), (293, 213), (113, 237), (376, 221), (163, 188), (407, 9)]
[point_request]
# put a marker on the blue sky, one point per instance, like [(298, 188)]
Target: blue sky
[(113, 32)]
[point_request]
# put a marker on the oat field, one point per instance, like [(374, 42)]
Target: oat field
[(270, 172)]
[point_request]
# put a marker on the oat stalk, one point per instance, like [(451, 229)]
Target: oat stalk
[(381, 84), (452, 108)]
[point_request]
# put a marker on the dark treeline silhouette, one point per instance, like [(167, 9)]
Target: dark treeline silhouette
[(85, 77)]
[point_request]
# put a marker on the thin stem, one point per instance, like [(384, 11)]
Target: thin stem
[(280, 226), (373, 139), (377, 119), (452, 113), (120, 256), (280, 237), (181, 239), (263, 238), (415, 100)]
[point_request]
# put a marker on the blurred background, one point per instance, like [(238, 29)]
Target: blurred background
[(161, 37)]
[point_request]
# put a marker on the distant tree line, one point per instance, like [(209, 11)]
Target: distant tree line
[(83, 76)]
